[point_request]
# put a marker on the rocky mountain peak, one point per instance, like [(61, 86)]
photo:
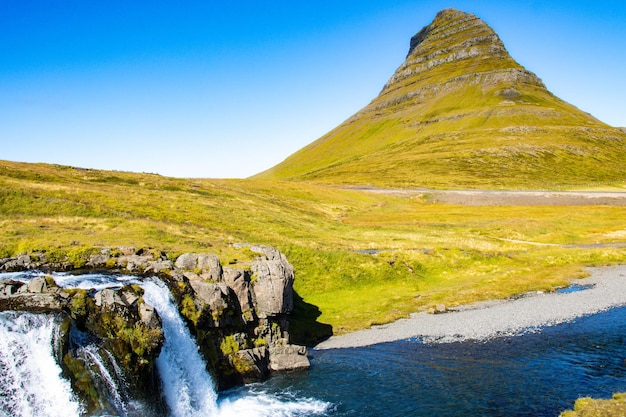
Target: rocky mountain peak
[(455, 44), (447, 22)]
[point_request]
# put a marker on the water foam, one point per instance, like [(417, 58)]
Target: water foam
[(188, 388), (253, 403), (32, 384)]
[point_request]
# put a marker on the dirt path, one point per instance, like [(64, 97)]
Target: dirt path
[(509, 198)]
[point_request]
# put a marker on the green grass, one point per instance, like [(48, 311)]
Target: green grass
[(587, 407), (424, 253)]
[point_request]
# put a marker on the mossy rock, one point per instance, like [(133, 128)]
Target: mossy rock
[(589, 407)]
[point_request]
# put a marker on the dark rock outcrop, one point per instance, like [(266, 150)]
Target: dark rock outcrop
[(238, 314), (121, 322)]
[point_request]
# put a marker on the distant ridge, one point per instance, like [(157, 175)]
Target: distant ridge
[(460, 112)]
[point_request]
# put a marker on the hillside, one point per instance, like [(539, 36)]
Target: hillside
[(460, 112), (360, 257)]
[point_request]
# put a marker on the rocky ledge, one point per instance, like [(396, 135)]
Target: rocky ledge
[(119, 320), (238, 314)]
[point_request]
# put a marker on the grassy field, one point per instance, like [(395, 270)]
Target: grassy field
[(360, 258)]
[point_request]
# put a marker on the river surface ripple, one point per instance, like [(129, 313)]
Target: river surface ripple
[(535, 374)]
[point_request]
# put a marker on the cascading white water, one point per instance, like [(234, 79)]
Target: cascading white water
[(188, 387), (111, 383), (31, 383)]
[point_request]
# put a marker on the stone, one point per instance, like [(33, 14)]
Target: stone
[(154, 267), (32, 302), (273, 286), (288, 357), (99, 260), (37, 285), (211, 264), (215, 302), (251, 364), (208, 264), (149, 316), (8, 289), (239, 281), (187, 261), (270, 252), (106, 297), (251, 306), (440, 308), (128, 297)]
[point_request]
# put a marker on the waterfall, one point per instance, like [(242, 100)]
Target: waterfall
[(112, 386), (32, 384), (188, 388)]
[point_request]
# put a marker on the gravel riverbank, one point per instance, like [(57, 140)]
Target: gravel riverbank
[(480, 321)]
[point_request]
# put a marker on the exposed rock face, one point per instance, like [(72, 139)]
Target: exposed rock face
[(457, 38), (209, 264), (239, 281), (39, 295), (273, 287), (288, 357), (127, 259), (238, 315)]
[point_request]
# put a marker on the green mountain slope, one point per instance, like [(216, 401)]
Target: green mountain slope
[(460, 112)]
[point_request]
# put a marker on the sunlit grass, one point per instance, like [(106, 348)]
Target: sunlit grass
[(421, 253)]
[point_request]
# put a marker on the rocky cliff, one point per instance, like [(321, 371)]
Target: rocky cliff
[(238, 314)]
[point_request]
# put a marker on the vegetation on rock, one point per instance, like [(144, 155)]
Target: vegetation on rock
[(587, 407)]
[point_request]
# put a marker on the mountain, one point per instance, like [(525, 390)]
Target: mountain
[(460, 112)]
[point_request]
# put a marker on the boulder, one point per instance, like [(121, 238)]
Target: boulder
[(149, 316), (273, 286), (35, 302), (37, 285), (288, 357), (19, 263), (207, 265), (215, 303), (239, 281), (251, 364), (38, 295), (106, 298), (99, 260)]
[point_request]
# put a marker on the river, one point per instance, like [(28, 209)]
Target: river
[(538, 373)]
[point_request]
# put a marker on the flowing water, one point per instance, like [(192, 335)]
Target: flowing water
[(31, 378), (537, 374), (27, 358)]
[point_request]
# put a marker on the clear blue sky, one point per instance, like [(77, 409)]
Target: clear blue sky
[(229, 88)]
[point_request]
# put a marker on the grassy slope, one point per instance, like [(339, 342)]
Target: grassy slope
[(463, 132), (431, 253)]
